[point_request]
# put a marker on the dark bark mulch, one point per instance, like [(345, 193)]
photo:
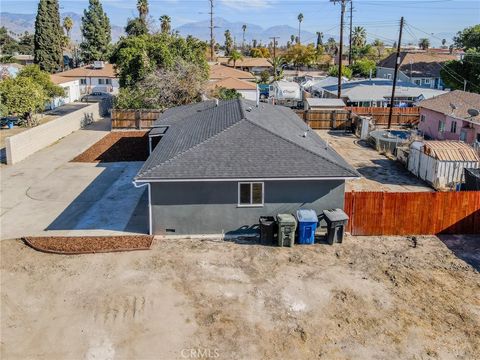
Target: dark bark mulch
[(117, 146), (89, 244)]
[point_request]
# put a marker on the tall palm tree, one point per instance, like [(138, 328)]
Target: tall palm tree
[(359, 36), (300, 19), (424, 44), (68, 24), (235, 56), (142, 7), (244, 28), (165, 24)]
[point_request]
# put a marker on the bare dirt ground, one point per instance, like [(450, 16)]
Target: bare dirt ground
[(368, 298), (379, 172)]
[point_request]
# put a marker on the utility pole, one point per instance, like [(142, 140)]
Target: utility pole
[(340, 52), (350, 49), (212, 41), (274, 38), (397, 64)]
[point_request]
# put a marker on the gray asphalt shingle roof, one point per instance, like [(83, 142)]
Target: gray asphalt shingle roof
[(238, 140)]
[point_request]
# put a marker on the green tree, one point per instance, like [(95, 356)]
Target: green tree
[(264, 77), (48, 53), (228, 42), (319, 40), (136, 27), (331, 46), (8, 45), (300, 19), (137, 56), (165, 23), (424, 43), (359, 36), (142, 7), (68, 24), (363, 68), (244, 29), (454, 73), (96, 32), (235, 56), (227, 94), (260, 52), (300, 55), (346, 71), (41, 78), (468, 38)]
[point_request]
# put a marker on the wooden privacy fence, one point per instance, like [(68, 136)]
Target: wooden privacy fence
[(134, 119), (425, 213), (326, 119), (400, 116)]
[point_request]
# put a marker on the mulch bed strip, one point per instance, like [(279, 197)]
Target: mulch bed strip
[(74, 245)]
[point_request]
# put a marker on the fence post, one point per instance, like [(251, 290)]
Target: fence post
[(138, 126), (334, 119)]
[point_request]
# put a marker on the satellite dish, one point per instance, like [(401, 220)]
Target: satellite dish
[(453, 106), (473, 112)]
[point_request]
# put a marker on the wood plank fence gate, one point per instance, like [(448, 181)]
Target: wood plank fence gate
[(425, 213), (134, 119)]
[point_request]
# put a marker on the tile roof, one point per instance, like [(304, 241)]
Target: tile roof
[(247, 62), (446, 150), (107, 71), (461, 100), (423, 64), (57, 79), (237, 140), (218, 72), (232, 83)]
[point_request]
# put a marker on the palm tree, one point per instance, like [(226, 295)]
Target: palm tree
[(235, 56), (228, 42), (278, 63), (300, 19), (424, 44), (244, 28), (331, 45), (142, 7), (165, 24), (359, 36), (68, 24)]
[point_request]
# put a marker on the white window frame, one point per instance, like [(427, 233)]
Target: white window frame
[(426, 81), (251, 194), (108, 81), (453, 127), (83, 81), (101, 81), (441, 126)]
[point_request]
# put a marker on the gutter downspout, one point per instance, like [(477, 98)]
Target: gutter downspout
[(149, 204)]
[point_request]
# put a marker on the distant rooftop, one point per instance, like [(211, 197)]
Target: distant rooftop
[(219, 72), (455, 104), (108, 71)]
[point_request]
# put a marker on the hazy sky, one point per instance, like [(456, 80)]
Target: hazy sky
[(380, 17)]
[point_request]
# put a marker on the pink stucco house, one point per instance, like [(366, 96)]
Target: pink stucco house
[(451, 116)]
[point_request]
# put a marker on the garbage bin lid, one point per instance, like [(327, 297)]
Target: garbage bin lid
[(286, 218), (307, 215), (335, 215)]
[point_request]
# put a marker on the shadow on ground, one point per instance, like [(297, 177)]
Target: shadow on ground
[(465, 247)]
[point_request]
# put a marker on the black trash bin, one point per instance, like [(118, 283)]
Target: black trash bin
[(268, 229), (336, 220)]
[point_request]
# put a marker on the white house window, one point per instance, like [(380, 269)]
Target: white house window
[(453, 127), (441, 126), (83, 81), (108, 81), (389, 76), (101, 81), (250, 194), (426, 81)]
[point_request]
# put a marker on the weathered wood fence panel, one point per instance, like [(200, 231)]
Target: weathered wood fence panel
[(400, 116), (134, 119), (326, 119), (385, 213)]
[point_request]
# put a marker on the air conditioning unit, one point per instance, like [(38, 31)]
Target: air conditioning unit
[(98, 64)]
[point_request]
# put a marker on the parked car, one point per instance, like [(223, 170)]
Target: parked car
[(96, 96)]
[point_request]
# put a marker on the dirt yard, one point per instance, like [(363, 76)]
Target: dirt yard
[(379, 172), (117, 146), (368, 298)]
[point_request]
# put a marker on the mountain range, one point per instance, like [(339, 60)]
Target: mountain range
[(19, 23)]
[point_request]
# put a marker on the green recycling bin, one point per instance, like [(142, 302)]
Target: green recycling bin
[(287, 224)]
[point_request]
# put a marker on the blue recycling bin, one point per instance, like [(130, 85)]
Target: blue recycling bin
[(307, 225)]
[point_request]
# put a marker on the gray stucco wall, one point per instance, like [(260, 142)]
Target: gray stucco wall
[(211, 207)]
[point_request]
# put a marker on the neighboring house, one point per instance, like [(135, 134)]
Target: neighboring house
[(442, 163), (71, 87), (324, 104), (420, 68), (24, 59), (99, 76), (378, 92), (247, 89), (219, 166), (253, 65), (9, 70), (447, 117), (317, 87), (287, 93), (220, 72)]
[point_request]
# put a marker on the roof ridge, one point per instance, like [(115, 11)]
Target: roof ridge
[(301, 147), (242, 113)]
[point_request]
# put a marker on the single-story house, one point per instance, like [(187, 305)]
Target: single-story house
[(24, 59), (324, 104), (99, 76), (247, 89), (420, 68), (377, 93), (220, 72), (451, 116), (220, 165), (442, 163), (253, 65), (71, 86)]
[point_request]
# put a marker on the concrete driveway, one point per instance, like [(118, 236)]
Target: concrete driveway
[(46, 194)]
